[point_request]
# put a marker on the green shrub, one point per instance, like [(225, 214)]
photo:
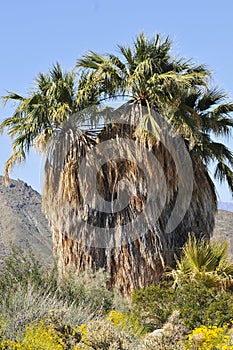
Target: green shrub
[(200, 305), (20, 267), (89, 288), (197, 305), (153, 305)]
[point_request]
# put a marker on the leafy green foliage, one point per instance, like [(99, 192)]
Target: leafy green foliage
[(146, 72), (151, 304), (204, 262), (197, 305), (38, 116)]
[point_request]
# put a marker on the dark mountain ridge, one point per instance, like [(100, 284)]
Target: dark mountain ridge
[(22, 220)]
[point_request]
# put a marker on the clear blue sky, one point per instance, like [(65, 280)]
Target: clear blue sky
[(36, 34)]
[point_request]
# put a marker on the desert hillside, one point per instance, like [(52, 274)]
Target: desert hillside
[(22, 220), (224, 228)]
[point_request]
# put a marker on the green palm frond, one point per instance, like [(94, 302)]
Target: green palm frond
[(204, 262), (219, 126), (224, 173), (144, 71), (209, 98), (51, 102), (91, 60), (12, 96), (128, 56), (201, 115)]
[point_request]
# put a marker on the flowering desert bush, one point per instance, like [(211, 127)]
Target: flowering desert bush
[(210, 338), (40, 337), (126, 321)]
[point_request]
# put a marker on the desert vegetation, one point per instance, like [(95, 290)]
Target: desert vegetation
[(39, 311)]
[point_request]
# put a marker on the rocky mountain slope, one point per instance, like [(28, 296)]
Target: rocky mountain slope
[(224, 228), (22, 220)]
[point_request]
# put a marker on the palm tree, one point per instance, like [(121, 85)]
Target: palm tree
[(147, 76), (153, 81)]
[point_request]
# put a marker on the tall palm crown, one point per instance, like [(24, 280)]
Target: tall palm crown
[(146, 73), (177, 88)]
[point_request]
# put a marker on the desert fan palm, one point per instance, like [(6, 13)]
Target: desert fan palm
[(145, 76), (149, 79)]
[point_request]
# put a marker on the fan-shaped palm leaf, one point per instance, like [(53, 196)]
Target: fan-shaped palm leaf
[(204, 262), (37, 116)]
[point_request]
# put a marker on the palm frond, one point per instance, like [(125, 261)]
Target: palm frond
[(91, 60), (12, 96), (224, 172), (144, 72), (204, 262), (48, 105), (209, 98)]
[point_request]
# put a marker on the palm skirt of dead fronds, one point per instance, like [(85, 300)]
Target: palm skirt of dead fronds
[(138, 260)]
